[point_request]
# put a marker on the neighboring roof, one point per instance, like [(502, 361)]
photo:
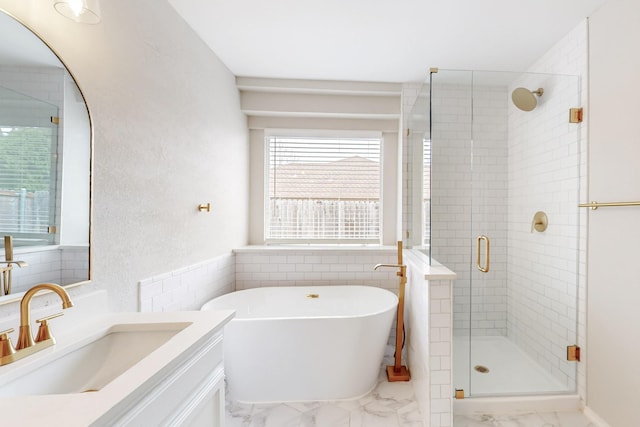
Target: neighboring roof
[(327, 180)]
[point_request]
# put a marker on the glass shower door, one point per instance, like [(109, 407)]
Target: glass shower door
[(494, 167), (489, 218)]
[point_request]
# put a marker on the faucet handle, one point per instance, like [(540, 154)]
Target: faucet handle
[(6, 348), (43, 331)]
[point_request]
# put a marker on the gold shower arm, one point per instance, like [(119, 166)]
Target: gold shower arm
[(596, 205)]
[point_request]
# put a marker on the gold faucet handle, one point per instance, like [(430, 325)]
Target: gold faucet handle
[(6, 348), (43, 331)]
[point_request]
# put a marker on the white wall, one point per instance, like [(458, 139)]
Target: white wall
[(613, 371), (169, 135)]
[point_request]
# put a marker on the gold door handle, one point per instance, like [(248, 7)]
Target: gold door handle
[(480, 238)]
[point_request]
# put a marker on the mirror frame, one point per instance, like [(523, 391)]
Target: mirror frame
[(12, 298)]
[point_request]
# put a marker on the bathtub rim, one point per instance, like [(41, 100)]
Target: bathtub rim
[(394, 306)]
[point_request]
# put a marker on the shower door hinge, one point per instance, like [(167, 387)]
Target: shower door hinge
[(408, 131), (575, 115), (55, 120), (573, 353), (52, 229), (459, 393)]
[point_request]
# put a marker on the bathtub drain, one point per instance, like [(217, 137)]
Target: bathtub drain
[(481, 369)]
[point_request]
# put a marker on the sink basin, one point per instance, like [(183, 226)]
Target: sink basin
[(91, 363)]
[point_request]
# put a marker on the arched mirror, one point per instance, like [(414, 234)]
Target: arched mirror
[(45, 167)]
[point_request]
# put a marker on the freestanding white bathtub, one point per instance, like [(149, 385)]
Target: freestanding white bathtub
[(305, 343)]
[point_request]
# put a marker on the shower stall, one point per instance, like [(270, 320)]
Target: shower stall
[(494, 173)]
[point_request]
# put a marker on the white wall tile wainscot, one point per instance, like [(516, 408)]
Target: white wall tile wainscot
[(428, 335), (259, 266), (188, 288)]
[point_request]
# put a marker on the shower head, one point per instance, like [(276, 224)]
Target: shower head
[(525, 99)]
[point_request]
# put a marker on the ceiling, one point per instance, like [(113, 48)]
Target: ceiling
[(379, 40)]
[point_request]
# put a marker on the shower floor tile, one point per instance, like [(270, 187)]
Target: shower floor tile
[(511, 370)]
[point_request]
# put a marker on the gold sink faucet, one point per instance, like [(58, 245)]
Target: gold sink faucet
[(25, 338), (26, 344)]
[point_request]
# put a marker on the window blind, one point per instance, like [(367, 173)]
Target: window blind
[(27, 182), (426, 192), (322, 188)]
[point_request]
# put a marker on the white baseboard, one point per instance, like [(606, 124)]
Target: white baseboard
[(595, 418), (516, 405)]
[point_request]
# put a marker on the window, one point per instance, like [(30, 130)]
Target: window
[(426, 192), (323, 189), (27, 183)]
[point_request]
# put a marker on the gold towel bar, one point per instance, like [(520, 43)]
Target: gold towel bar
[(596, 205)]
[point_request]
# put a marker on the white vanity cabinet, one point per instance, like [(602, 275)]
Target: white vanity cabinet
[(177, 381), (188, 392)]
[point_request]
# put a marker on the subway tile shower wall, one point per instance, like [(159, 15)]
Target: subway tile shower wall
[(43, 83), (454, 215), (543, 299)]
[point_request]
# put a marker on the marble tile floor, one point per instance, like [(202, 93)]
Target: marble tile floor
[(387, 405)]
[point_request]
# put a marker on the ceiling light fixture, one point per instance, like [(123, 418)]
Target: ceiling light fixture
[(82, 11)]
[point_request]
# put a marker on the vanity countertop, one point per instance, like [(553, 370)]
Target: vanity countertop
[(84, 409)]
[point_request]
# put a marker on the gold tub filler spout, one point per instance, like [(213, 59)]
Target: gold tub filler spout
[(397, 371), (26, 345), (9, 262)]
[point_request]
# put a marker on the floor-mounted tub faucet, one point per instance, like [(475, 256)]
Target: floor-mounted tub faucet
[(5, 289), (398, 372)]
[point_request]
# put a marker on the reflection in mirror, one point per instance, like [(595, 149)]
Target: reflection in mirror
[(45, 165)]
